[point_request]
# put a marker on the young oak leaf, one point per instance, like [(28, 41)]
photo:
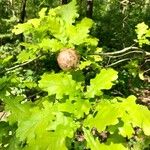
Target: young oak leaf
[(68, 12), (137, 114), (104, 116), (74, 107), (18, 111), (80, 33), (103, 80), (46, 128), (132, 115), (60, 84), (126, 130), (95, 144)]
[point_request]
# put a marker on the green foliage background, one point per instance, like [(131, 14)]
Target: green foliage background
[(48, 108)]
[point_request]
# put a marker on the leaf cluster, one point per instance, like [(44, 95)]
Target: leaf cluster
[(64, 101)]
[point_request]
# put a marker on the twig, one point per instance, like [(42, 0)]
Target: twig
[(120, 51), (20, 65), (33, 95), (3, 114), (147, 60), (108, 60), (135, 49), (147, 53), (126, 54), (117, 62), (147, 70)]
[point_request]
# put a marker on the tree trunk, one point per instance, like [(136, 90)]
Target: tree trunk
[(89, 11), (64, 2), (22, 16), (23, 11)]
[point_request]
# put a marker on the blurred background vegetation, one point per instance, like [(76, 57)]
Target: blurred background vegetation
[(115, 19), (115, 25)]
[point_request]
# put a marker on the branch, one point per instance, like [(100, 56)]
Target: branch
[(117, 62), (120, 51), (146, 70), (2, 114), (21, 65), (147, 53), (147, 60), (126, 54), (32, 96)]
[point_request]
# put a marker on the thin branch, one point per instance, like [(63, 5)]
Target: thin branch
[(117, 62), (146, 70), (33, 95), (136, 49), (147, 60), (2, 115), (21, 65), (126, 54), (108, 61), (147, 53), (120, 51)]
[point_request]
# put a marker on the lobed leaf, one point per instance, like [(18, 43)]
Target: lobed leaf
[(94, 144), (108, 113), (51, 45), (74, 106), (46, 128), (60, 84), (103, 80), (79, 33), (18, 111), (68, 12)]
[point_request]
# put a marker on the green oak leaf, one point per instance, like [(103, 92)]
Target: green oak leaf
[(60, 84), (138, 114), (36, 123), (46, 128), (80, 33), (127, 129), (106, 114), (51, 45), (42, 12), (94, 144), (25, 55), (143, 34), (68, 12), (52, 140), (35, 22), (103, 80), (21, 28), (74, 106), (18, 111)]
